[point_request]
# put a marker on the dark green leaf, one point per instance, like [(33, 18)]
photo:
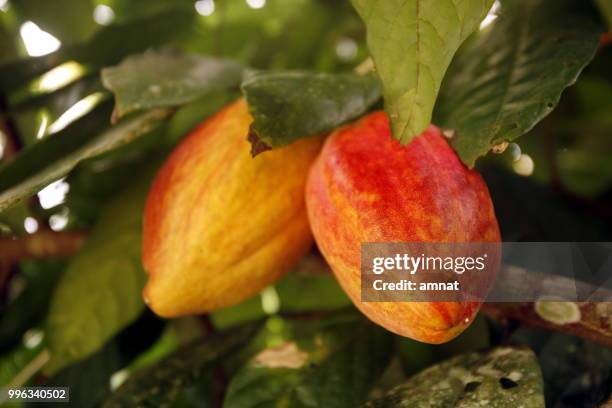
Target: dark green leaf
[(528, 211), (311, 275), (103, 47), (332, 363), (14, 362), (289, 105), (161, 383), (416, 356), (36, 157), (504, 377), (89, 380), (511, 75), (412, 43), (100, 292), (167, 79), (576, 372), (60, 100), (58, 154), (30, 305)]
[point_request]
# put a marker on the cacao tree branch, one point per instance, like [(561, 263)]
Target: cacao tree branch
[(43, 244), (594, 320)]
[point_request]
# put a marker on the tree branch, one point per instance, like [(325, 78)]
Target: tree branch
[(594, 323), (43, 244)]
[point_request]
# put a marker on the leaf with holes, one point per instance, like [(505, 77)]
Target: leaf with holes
[(511, 75), (167, 79), (412, 43), (330, 363), (100, 291), (287, 106), (504, 377)]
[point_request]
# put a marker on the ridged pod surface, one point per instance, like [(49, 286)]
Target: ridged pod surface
[(220, 225), (366, 187)]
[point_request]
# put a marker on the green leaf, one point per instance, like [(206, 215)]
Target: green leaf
[(90, 379), (511, 76), (538, 219), (311, 275), (100, 292), (412, 43), (416, 356), (102, 48), (161, 383), (331, 363), (56, 155), (59, 101), (566, 362), (15, 362), (290, 105), (504, 377), (167, 79), (29, 307)]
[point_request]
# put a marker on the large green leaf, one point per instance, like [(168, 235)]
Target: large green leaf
[(412, 43), (55, 156), (160, 384), (332, 363), (100, 292), (103, 47), (290, 105), (167, 79), (504, 378), (512, 74)]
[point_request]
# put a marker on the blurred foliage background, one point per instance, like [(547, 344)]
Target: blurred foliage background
[(555, 184)]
